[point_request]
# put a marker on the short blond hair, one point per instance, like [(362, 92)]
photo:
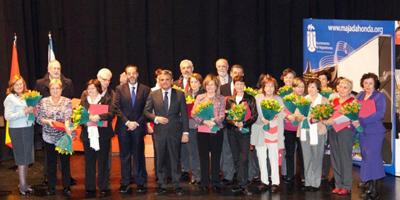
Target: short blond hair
[(347, 81)]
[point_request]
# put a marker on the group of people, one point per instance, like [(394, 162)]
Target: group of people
[(212, 152)]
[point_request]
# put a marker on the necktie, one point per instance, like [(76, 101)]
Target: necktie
[(133, 96), (165, 102)]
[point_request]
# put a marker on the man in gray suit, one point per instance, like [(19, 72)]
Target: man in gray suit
[(166, 107)]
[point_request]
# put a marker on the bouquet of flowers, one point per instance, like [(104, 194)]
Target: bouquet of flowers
[(178, 88), (238, 113), (289, 100), (32, 98), (356, 153), (251, 91), (64, 145), (352, 110), (189, 104), (303, 105), (285, 90), (326, 92), (205, 111), (322, 112), (80, 115), (270, 108), (189, 99)]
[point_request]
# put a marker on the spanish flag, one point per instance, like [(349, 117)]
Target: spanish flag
[(14, 71)]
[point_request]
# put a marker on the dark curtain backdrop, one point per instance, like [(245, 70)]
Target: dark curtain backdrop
[(262, 35)]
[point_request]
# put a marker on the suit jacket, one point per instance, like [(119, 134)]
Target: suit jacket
[(42, 85), (226, 89), (177, 113), (124, 109), (104, 132)]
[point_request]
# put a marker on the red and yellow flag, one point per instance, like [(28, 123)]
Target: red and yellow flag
[(14, 71)]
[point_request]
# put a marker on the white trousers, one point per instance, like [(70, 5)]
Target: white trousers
[(273, 155)]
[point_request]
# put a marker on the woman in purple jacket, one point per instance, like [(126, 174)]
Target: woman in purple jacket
[(371, 139)]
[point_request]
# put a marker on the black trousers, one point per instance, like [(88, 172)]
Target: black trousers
[(291, 142), (240, 147), (131, 147), (210, 143), (103, 171), (52, 155), (168, 148)]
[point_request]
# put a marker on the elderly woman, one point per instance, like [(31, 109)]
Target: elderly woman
[(313, 142), (208, 141), (371, 139), (21, 130), (51, 109), (97, 140), (341, 140), (268, 143)]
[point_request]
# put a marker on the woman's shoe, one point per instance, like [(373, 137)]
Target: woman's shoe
[(336, 191), (344, 192)]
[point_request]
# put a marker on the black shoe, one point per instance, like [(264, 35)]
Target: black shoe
[(124, 189), (236, 189), (246, 192), (305, 188), (179, 191), (217, 189), (90, 194), (161, 191), (141, 189), (50, 192), (105, 193), (263, 187), (203, 188), (67, 191), (288, 180), (73, 181), (313, 189), (256, 179), (227, 182), (185, 177)]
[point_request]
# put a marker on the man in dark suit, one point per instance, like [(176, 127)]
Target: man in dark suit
[(167, 108), (227, 90), (130, 99), (42, 86)]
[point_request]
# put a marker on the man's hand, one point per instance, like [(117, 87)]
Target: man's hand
[(150, 129), (185, 138), (132, 125), (162, 120)]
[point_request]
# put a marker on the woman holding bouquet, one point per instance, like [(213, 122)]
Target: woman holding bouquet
[(292, 142), (341, 140), (21, 130), (371, 138), (268, 142), (97, 140), (209, 139), (195, 89), (313, 140), (55, 108), (239, 131)]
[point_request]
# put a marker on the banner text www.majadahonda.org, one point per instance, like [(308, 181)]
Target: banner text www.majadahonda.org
[(356, 28)]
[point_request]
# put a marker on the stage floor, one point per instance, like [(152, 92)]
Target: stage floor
[(9, 182)]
